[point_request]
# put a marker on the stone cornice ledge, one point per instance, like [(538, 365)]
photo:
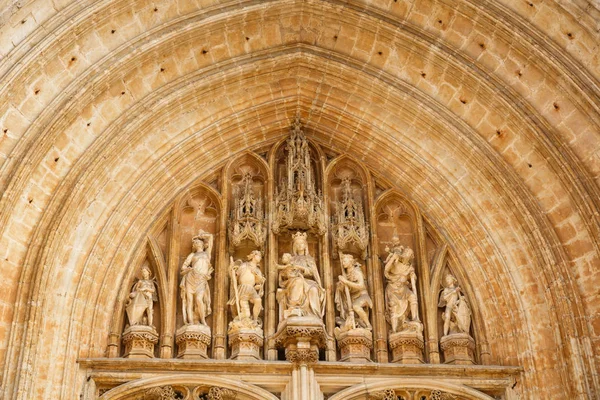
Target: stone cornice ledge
[(322, 367)]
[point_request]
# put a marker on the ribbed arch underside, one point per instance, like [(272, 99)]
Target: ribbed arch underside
[(492, 131)]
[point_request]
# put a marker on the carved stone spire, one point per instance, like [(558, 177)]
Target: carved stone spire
[(298, 204), (247, 220), (348, 224)]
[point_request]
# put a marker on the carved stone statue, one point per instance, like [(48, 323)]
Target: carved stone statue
[(247, 286), (140, 336), (196, 272), (401, 289), (140, 305), (351, 295), (457, 315), (300, 292)]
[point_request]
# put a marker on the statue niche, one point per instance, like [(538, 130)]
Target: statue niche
[(352, 298), (402, 307), (196, 272), (300, 291), (247, 287), (301, 299), (140, 335), (194, 337), (457, 344)]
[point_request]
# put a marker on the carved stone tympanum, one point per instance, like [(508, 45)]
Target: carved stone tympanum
[(194, 337), (247, 287), (140, 336)]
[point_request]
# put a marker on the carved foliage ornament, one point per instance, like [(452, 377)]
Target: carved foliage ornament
[(348, 224), (390, 394), (297, 202), (247, 220), (168, 393)]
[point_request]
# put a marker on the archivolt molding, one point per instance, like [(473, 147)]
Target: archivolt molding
[(243, 391), (363, 390), (111, 61), (77, 178)]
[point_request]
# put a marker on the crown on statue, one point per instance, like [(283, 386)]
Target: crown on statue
[(299, 236)]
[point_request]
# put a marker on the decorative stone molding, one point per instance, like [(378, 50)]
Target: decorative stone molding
[(348, 226), (139, 341), (247, 219), (387, 394), (407, 347), (439, 395), (298, 204), (245, 344), (161, 393), (193, 341), (458, 348), (219, 393), (355, 345), (302, 337)]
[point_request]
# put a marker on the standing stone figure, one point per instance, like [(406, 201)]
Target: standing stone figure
[(247, 286), (351, 295), (457, 315), (140, 305), (401, 289), (196, 272)]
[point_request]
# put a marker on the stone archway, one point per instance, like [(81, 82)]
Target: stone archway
[(191, 386), (409, 389)]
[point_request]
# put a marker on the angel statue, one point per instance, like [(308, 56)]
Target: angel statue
[(247, 287), (196, 272), (401, 289), (140, 305), (457, 315), (351, 295)]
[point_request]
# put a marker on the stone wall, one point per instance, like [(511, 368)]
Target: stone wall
[(485, 114)]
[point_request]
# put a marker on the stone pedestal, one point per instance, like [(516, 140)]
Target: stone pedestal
[(355, 345), (139, 341), (407, 346), (302, 337), (193, 341), (245, 343), (458, 348)]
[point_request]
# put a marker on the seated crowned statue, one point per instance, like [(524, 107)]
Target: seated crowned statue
[(300, 292)]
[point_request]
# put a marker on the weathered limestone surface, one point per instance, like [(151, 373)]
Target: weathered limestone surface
[(486, 115)]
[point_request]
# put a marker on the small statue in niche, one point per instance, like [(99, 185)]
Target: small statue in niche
[(298, 294), (247, 287), (457, 315), (140, 305), (400, 299), (351, 296), (196, 272)]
